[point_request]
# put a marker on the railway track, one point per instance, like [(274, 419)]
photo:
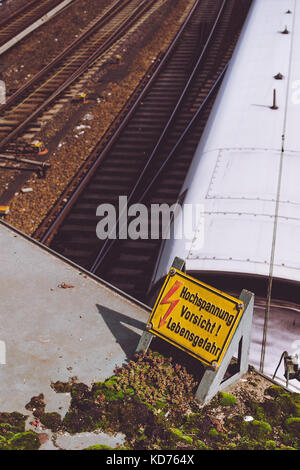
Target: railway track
[(31, 100), (148, 155), (23, 18)]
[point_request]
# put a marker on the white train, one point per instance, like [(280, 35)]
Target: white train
[(249, 158)]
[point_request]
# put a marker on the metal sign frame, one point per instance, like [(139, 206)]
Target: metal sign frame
[(213, 380)]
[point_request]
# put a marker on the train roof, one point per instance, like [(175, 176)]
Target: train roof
[(239, 168)]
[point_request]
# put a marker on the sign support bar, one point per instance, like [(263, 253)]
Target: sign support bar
[(213, 381)]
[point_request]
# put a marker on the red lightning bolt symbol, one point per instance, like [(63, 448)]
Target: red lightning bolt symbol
[(173, 303)]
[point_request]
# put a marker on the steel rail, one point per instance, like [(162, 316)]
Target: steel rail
[(115, 8), (18, 12), (127, 23), (184, 133), (168, 158), (55, 225), (25, 18), (110, 242)]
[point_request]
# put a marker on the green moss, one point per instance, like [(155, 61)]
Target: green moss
[(227, 399), (176, 433), (296, 397), (99, 447), (270, 445), (7, 430), (231, 446), (51, 421), (28, 440), (257, 410), (259, 429), (178, 436), (194, 420), (108, 390), (130, 417), (75, 421), (287, 448), (296, 409), (232, 434), (156, 381), (286, 403), (79, 391), (111, 382), (201, 445), (190, 430), (213, 433), (4, 443), (289, 439), (237, 424), (135, 399), (36, 405), (61, 387), (13, 435), (187, 439), (160, 405), (272, 410), (216, 435), (274, 391), (246, 443), (292, 424), (15, 419)]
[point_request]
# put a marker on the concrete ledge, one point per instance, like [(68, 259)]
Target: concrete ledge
[(34, 26), (57, 322)]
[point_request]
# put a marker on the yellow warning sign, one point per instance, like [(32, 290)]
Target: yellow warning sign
[(195, 317)]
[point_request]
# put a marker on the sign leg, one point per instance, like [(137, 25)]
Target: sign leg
[(144, 342), (213, 381)]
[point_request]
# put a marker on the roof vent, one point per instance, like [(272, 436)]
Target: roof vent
[(278, 76), (274, 106), (285, 31), (288, 12)]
